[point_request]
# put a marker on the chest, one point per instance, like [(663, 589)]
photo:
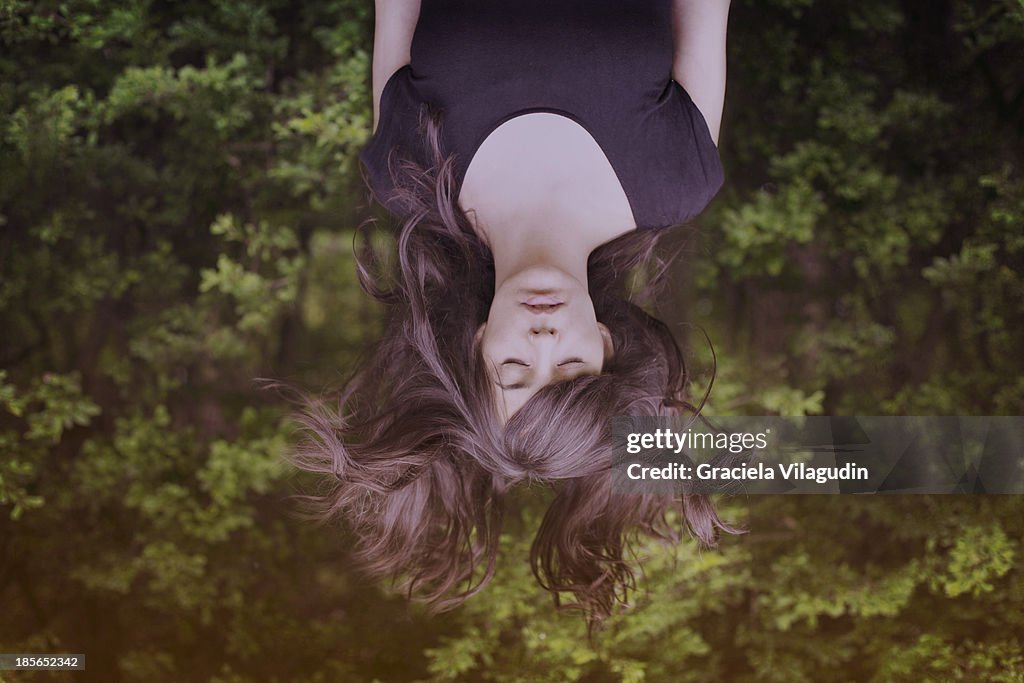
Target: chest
[(545, 166)]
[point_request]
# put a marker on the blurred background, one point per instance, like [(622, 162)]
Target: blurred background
[(178, 191)]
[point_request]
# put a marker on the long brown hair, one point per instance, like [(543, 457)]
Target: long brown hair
[(412, 454)]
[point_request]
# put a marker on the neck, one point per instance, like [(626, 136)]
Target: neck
[(529, 239)]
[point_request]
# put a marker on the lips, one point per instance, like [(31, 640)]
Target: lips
[(542, 308), (543, 300)]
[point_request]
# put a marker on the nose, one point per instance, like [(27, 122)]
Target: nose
[(542, 330)]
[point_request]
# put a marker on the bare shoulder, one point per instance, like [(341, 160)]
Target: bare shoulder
[(393, 28), (699, 65)]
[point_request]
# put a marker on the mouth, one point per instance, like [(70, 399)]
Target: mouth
[(543, 300), (542, 307)]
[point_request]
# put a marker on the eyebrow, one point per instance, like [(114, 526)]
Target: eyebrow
[(523, 385)]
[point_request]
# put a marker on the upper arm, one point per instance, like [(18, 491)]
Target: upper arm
[(699, 36), (394, 26)]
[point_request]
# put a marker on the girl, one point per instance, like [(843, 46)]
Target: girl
[(533, 152)]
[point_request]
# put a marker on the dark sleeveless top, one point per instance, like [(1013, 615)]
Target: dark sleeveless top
[(605, 64)]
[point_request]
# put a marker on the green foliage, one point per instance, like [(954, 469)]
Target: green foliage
[(178, 197), (51, 406), (874, 208), (819, 589)]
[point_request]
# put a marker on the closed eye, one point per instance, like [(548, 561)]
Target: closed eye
[(570, 361), (517, 385)]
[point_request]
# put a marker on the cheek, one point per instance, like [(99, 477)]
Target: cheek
[(589, 347), (600, 341), (487, 353), (499, 324)]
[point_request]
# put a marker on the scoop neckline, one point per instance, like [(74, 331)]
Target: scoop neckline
[(462, 167)]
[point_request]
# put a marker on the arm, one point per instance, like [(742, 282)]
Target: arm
[(698, 29), (394, 25)]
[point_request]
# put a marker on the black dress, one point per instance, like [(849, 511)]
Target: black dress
[(605, 64)]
